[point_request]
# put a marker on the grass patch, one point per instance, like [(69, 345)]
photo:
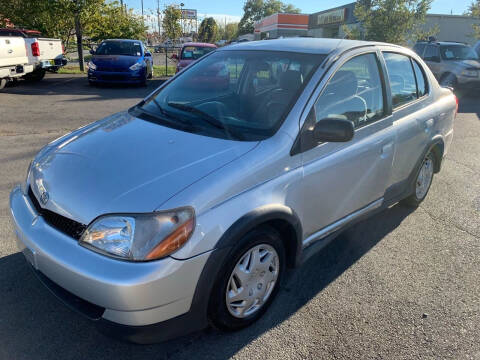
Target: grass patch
[(159, 70), (71, 70)]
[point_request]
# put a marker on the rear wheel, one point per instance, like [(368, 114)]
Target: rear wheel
[(423, 181), (249, 280)]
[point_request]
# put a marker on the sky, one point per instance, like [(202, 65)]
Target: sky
[(232, 10)]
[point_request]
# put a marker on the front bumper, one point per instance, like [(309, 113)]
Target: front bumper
[(133, 77), (133, 294)]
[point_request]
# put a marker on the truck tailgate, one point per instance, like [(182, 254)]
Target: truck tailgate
[(12, 51), (50, 49)]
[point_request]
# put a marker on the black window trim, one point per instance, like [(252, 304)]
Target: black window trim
[(387, 109), (418, 99)]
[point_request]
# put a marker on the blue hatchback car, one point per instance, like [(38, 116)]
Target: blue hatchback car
[(120, 61)]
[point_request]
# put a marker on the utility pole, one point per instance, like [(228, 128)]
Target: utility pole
[(142, 14), (158, 18), (181, 17)]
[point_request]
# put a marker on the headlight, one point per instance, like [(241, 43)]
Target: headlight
[(92, 66), (136, 66), (140, 237), (470, 73)]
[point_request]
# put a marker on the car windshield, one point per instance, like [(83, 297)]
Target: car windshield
[(457, 52), (241, 95), (195, 52), (128, 48)]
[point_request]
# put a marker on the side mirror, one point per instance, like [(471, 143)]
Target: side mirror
[(148, 54), (174, 57), (92, 51), (333, 130)]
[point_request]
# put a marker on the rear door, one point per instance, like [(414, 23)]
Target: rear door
[(12, 51), (414, 114), (342, 179)]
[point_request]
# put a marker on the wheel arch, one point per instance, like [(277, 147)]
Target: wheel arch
[(280, 217), (437, 147)]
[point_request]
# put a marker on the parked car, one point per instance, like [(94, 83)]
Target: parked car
[(121, 61), (44, 54), (186, 209), (13, 59), (453, 64), (191, 52), (476, 47)]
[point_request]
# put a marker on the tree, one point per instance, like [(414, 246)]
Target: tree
[(254, 10), (231, 31), (171, 22), (474, 11), (208, 30), (392, 21)]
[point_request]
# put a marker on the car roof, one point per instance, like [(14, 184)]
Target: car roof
[(199, 44), (129, 40), (442, 43), (302, 45)]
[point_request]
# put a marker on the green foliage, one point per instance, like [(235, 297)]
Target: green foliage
[(474, 11), (111, 21), (255, 10), (230, 31), (208, 30), (392, 21), (55, 18), (171, 22)]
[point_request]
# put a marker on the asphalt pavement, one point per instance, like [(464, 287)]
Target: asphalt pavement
[(401, 285)]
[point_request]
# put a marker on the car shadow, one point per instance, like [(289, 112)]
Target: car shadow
[(63, 84), (34, 325)]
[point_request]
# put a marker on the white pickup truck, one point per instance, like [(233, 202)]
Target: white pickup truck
[(43, 53), (14, 61)]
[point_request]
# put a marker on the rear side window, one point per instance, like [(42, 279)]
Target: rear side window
[(353, 93), (419, 49), (432, 53), (421, 79), (401, 77)]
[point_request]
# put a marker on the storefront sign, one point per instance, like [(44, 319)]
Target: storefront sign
[(331, 17), (189, 14)]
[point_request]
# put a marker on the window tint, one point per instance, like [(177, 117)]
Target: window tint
[(402, 78), (421, 80), (353, 93), (431, 53), (419, 48)]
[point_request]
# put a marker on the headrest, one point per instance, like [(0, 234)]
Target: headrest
[(291, 80), (343, 84)]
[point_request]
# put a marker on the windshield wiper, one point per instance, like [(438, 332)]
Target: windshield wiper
[(203, 115)]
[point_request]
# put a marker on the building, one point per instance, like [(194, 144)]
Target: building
[(332, 22), (281, 25)]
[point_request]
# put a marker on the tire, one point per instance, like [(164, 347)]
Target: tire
[(3, 83), (150, 75), (35, 76), (423, 181), (449, 80), (260, 287)]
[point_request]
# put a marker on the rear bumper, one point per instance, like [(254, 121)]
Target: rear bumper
[(15, 71), (133, 294)]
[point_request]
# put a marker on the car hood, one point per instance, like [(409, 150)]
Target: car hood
[(114, 61), (464, 64), (124, 165)]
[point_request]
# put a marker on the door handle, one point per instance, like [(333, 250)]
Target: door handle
[(10, 51), (386, 149)]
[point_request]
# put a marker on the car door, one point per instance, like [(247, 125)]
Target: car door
[(414, 114), (432, 59), (343, 180)]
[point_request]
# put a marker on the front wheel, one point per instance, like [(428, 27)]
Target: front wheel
[(422, 182), (249, 280), (449, 80)]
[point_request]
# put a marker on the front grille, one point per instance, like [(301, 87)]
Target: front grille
[(65, 225), (111, 69)]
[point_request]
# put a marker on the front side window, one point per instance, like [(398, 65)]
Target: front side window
[(195, 52), (243, 95), (354, 93), (457, 52), (401, 77), (126, 48)]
